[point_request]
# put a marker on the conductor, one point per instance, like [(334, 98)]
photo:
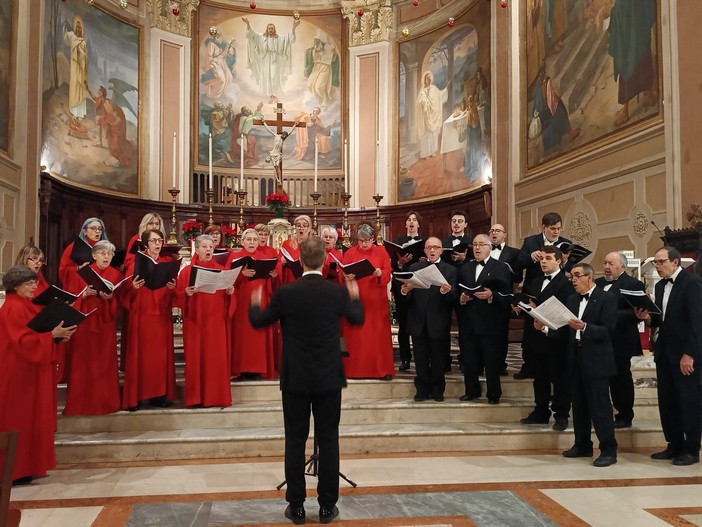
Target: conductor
[(311, 373)]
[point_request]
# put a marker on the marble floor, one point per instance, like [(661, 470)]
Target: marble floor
[(402, 490)]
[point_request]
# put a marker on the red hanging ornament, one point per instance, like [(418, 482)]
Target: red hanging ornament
[(252, 5), (360, 12), (451, 22), (176, 11), (503, 4), (415, 3)]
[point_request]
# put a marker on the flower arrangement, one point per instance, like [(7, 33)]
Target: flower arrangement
[(278, 203), (229, 235), (191, 230)]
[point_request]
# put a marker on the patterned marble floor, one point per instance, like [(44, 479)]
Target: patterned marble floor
[(509, 489)]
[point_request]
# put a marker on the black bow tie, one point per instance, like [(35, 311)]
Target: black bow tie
[(481, 262), (457, 237), (414, 238), (497, 247), (667, 281), (547, 278), (586, 296)]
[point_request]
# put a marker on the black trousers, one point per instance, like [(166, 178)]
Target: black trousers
[(592, 408), (403, 337), (429, 356), (551, 368), (680, 407), (482, 351), (326, 409), (621, 387)]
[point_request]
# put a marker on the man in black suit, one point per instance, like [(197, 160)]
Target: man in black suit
[(591, 364), (429, 323), (412, 224), (483, 317), (530, 256), (510, 255), (678, 356), (457, 250), (626, 340), (549, 364), (311, 373)]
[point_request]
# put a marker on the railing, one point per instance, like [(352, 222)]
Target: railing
[(298, 189)]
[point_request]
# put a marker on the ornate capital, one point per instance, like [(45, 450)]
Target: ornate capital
[(375, 25), (581, 229), (162, 13)]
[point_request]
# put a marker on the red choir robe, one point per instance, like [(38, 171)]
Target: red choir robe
[(27, 389), (206, 340), (253, 350), (329, 271), (150, 366), (370, 345), (285, 275), (93, 380), (130, 256), (124, 313)]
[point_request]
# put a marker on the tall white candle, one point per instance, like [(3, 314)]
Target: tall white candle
[(316, 161), (346, 166), (241, 173), (174, 160), (377, 166), (209, 174)]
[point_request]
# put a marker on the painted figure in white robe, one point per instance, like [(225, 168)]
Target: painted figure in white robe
[(77, 90), (322, 70), (269, 58), (430, 102)]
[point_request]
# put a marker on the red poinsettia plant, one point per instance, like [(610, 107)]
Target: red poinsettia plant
[(229, 235), (191, 230), (278, 203)]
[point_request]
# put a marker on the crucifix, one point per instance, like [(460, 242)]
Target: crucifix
[(275, 156)]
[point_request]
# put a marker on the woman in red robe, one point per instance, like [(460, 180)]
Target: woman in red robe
[(33, 257), (93, 231), (303, 227), (26, 377), (206, 335), (252, 349), (264, 235), (93, 381), (151, 221), (370, 345), (150, 367), (331, 270)]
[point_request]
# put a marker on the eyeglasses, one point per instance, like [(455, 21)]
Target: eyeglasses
[(156, 240), (365, 240), (576, 276), (31, 283), (479, 245), (495, 230), (35, 259), (435, 247), (104, 253), (95, 229), (660, 262)]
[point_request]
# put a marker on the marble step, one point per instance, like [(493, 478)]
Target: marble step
[(354, 439)]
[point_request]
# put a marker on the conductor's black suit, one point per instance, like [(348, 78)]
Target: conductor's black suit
[(311, 375)]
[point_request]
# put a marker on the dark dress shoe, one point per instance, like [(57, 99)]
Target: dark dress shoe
[(560, 425), (504, 373), (683, 460), (439, 398), (604, 461), (521, 375), (134, 408), (532, 419), (404, 365), (465, 398), (420, 398), (326, 514), (493, 401), (620, 423), (160, 402), (577, 452), (295, 513), (22, 481), (663, 455), (388, 377)]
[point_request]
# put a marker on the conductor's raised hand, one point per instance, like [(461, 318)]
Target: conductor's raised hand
[(352, 287)]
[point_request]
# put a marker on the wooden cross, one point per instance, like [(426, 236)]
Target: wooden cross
[(279, 123)]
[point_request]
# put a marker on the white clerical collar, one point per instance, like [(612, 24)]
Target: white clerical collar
[(312, 272)]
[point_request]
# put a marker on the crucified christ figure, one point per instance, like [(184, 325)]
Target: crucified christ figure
[(275, 156)]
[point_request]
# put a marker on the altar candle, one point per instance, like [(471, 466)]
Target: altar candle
[(174, 160), (316, 160), (209, 174), (241, 173), (346, 166), (377, 166)]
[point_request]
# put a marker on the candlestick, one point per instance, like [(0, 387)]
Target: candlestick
[(377, 167), (316, 161), (378, 234), (173, 234), (210, 195), (209, 174), (346, 166), (241, 198), (241, 173), (346, 238), (315, 198), (174, 161)]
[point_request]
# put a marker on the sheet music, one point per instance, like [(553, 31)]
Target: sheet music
[(209, 282), (552, 313)]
